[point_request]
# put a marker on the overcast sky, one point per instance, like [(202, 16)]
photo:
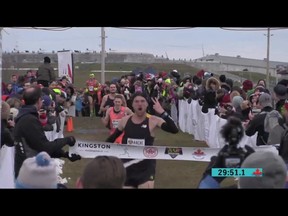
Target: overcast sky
[(188, 43)]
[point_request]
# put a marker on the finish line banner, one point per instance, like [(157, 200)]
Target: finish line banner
[(88, 149)]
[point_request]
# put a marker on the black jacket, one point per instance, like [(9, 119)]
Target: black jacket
[(30, 138), (283, 149), (257, 125), (6, 134)]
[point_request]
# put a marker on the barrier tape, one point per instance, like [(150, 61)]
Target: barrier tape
[(88, 149)]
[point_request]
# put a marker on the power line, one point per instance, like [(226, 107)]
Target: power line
[(183, 28), (250, 29), (53, 29), (45, 28), (154, 28)]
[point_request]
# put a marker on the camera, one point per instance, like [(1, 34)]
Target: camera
[(233, 156), (228, 107), (256, 111)]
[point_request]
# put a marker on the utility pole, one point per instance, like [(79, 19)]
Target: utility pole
[(203, 54), (103, 55), (268, 66)]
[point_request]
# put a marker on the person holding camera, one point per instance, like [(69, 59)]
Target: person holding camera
[(256, 124), (274, 171), (29, 134), (230, 156)]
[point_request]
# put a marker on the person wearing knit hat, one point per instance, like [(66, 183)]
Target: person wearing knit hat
[(229, 82), (236, 102), (163, 74), (280, 91), (38, 172), (46, 100), (265, 100), (274, 171), (222, 78), (247, 85), (226, 99)]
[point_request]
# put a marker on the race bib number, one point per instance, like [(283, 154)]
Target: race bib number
[(91, 88), (115, 123), (138, 142)]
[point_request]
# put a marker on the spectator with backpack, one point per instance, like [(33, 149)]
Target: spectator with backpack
[(257, 122)]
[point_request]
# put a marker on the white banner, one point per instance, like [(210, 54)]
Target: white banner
[(206, 126), (7, 167), (88, 149), (65, 65)]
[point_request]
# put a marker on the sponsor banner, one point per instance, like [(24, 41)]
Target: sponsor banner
[(88, 149), (65, 65)]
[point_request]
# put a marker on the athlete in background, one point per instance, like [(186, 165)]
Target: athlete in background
[(92, 86), (114, 115)]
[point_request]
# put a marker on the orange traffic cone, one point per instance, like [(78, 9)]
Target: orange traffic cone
[(70, 124)]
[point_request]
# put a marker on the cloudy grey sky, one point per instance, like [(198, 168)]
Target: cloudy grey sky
[(187, 43)]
